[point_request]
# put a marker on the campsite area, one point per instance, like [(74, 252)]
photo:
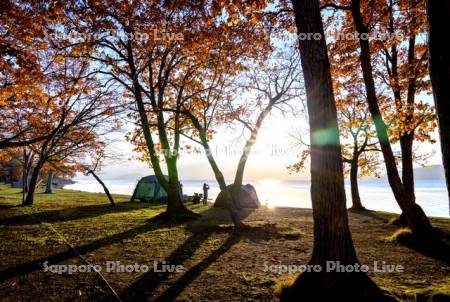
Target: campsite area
[(218, 262)]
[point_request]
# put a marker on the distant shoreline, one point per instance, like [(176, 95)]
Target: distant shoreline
[(376, 195)]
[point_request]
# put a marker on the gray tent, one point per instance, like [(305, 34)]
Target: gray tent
[(246, 198), (148, 189)]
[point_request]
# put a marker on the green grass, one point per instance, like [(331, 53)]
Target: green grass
[(222, 263)]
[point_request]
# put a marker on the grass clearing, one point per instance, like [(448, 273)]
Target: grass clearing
[(218, 262)]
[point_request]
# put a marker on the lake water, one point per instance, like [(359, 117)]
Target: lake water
[(375, 194)]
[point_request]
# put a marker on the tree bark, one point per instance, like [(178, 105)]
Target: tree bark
[(332, 238), (356, 199), (49, 185), (407, 139), (232, 208), (438, 14), (175, 206), (33, 184), (417, 219), (247, 148), (26, 170), (105, 188), (406, 145)]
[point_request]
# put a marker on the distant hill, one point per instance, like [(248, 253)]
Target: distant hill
[(434, 172)]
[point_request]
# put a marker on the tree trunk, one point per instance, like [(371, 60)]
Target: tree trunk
[(407, 139), (175, 205), (105, 188), (49, 185), (33, 184), (232, 208), (247, 148), (332, 238), (239, 177), (438, 14), (406, 145), (417, 219), (356, 200), (25, 172)]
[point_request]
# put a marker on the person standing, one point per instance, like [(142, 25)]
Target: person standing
[(181, 191), (205, 193)]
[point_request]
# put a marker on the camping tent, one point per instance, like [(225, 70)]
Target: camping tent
[(148, 189), (246, 198)]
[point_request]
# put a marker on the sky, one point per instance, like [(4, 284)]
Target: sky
[(272, 153)]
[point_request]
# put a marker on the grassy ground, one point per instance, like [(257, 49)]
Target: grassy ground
[(219, 265)]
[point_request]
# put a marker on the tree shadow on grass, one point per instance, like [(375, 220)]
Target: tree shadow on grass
[(144, 287), (369, 214), (437, 248), (153, 224), (68, 214), (6, 207)]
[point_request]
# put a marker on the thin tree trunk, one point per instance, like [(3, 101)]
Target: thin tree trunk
[(49, 185), (356, 199), (247, 148), (105, 188), (406, 144), (407, 139), (417, 219), (33, 184), (26, 160), (332, 238), (438, 16), (232, 207)]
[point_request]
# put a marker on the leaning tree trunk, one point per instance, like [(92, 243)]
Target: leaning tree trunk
[(356, 199), (105, 188), (332, 238), (33, 184), (416, 217), (247, 147), (232, 206), (406, 144), (49, 185), (438, 15)]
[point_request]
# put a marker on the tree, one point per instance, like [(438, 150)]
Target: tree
[(438, 12), (269, 87), (358, 138), (150, 69), (406, 75), (398, 63), (332, 238), (416, 218), (25, 25), (49, 184), (97, 157), (247, 101), (360, 152), (74, 108)]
